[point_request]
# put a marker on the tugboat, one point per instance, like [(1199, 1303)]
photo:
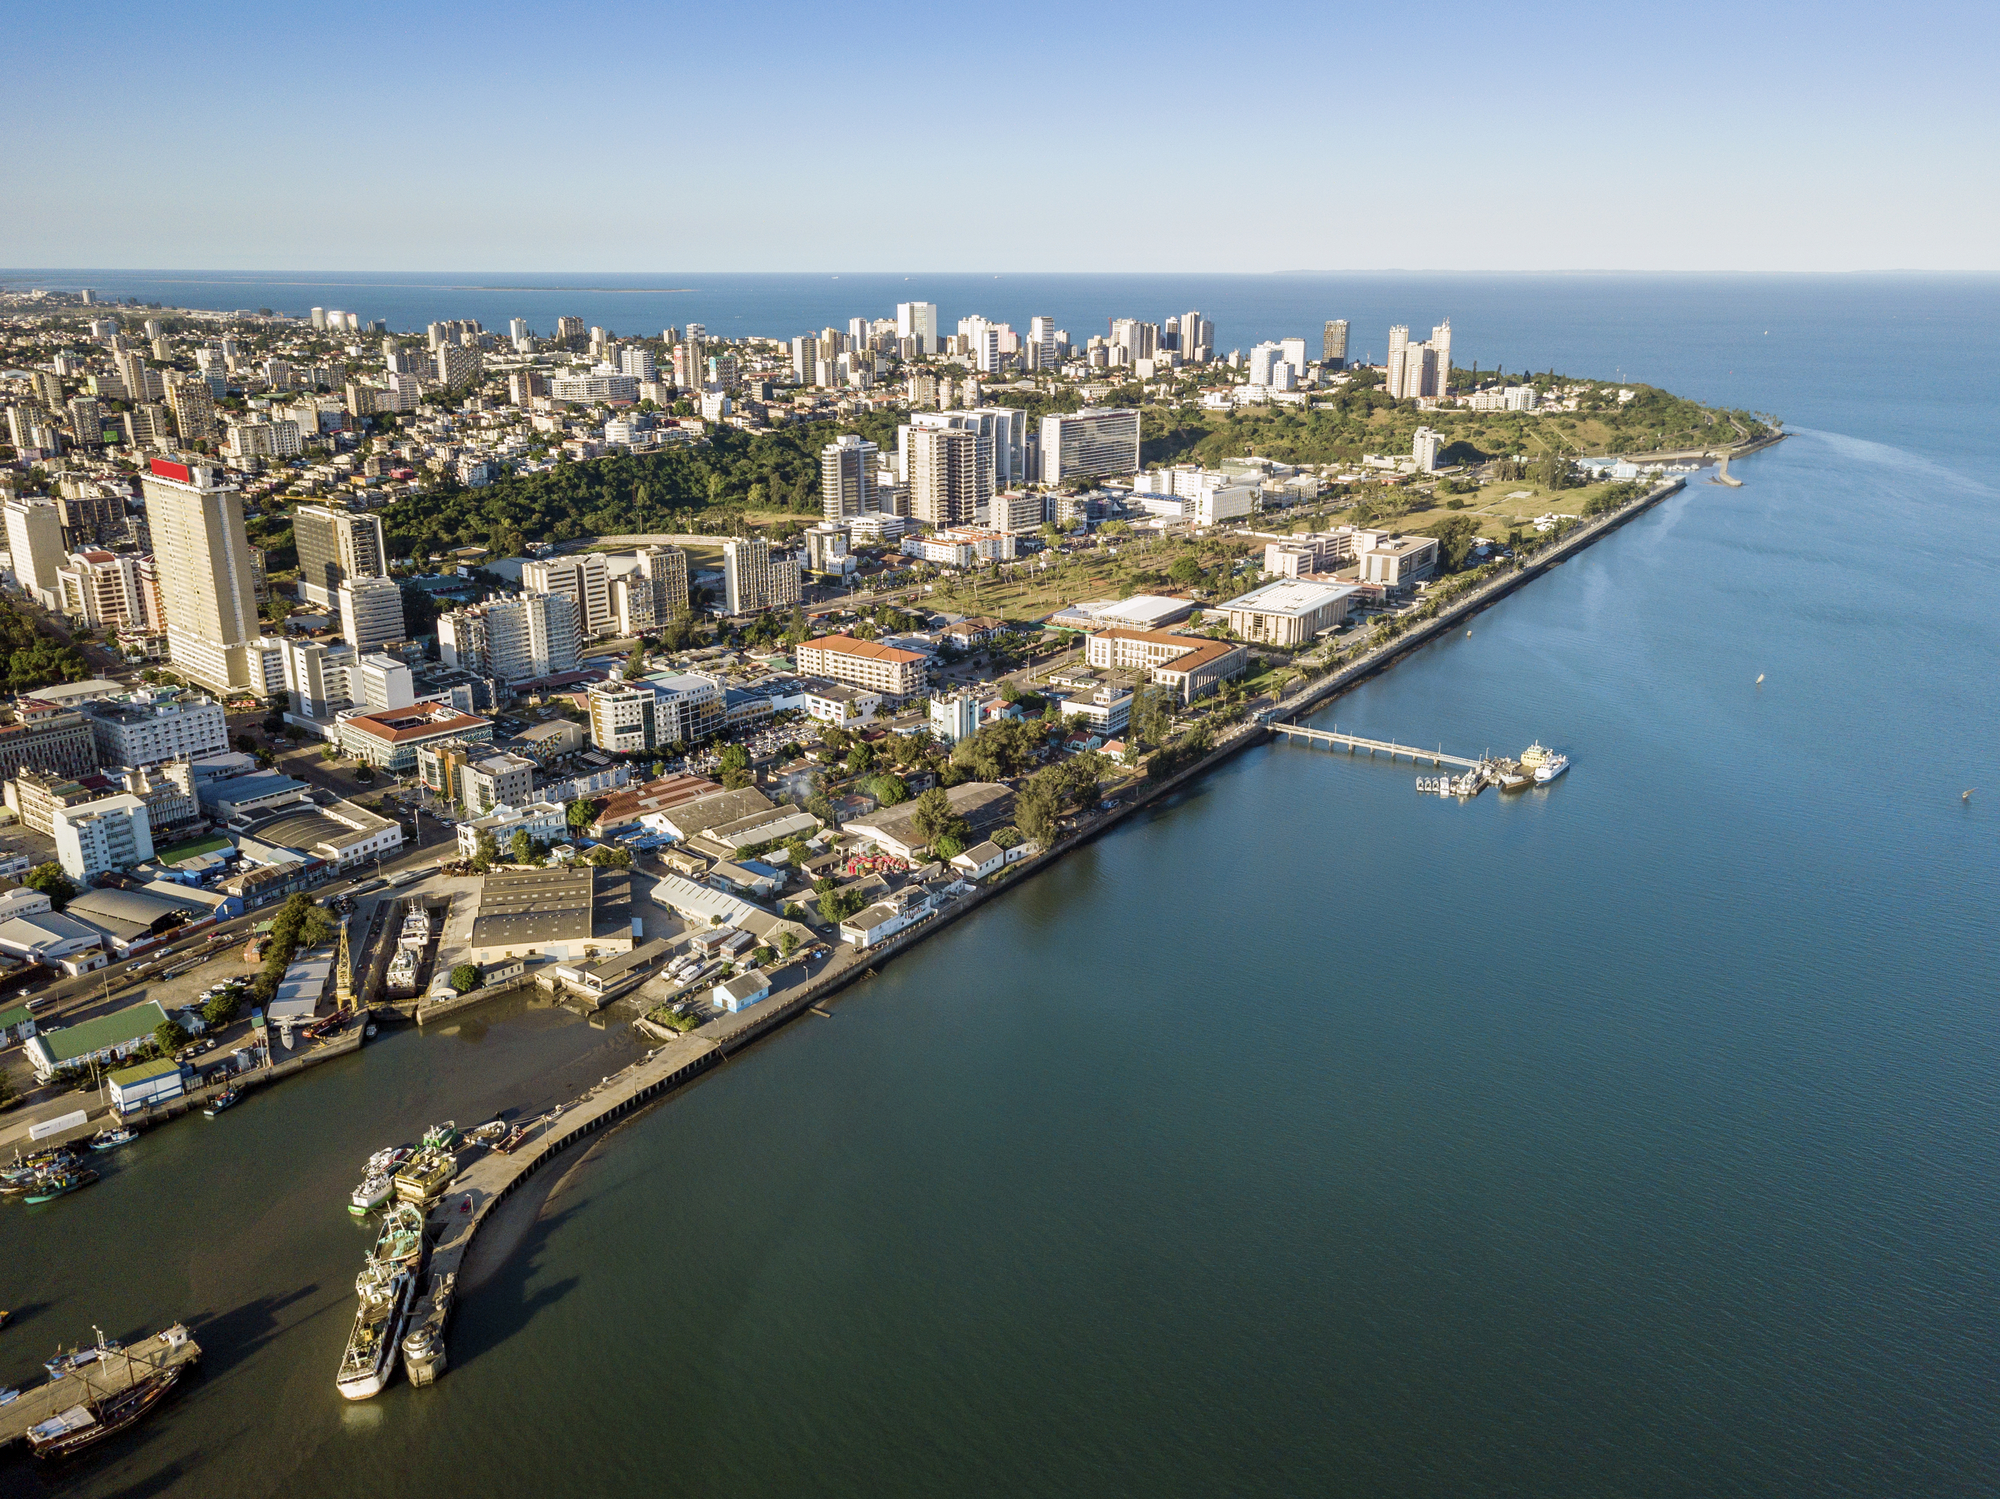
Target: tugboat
[(60, 1183), (226, 1099)]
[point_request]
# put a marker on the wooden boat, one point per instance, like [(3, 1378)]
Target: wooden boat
[(87, 1424)]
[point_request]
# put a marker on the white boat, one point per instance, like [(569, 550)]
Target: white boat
[(378, 1329), (385, 1161), (1550, 768), (372, 1193)]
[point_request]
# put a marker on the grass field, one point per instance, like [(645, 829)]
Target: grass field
[(190, 849)]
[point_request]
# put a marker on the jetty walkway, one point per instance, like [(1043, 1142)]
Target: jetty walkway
[(1353, 742)]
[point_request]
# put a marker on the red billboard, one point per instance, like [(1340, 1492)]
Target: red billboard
[(166, 468)]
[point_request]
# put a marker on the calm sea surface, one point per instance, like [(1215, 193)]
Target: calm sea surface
[(1635, 1136)]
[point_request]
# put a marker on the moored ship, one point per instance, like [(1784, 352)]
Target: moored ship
[(387, 1288)]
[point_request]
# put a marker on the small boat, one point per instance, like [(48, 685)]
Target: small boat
[(47, 1160), (76, 1358), (487, 1133), (372, 1193), (111, 1139), (60, 1184), (226, 1099), (385, 1161), (8, 1397), (423, 1177), (84, 1425), (440, 1136), (1550, 768), (514, 1137)]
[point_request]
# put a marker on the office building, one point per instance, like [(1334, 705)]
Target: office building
[(666, 568), (847, 478), (1333, 344), (48, 739), (621, 717), (1290, 611), (205, 574), (371, 613), (335, 545), (754, 578), (113, 832), (827, 548), (951, 470), (35, 542), (1094, 443), (919, 321), (512, 639), (586, 578), (1041, 347), (389, 738), (1188, 665)]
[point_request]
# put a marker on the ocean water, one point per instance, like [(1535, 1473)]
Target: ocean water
[(1638, 1135)]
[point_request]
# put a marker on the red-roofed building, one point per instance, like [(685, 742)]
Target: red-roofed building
[(862, 663), (388, 737), (1190, 664)]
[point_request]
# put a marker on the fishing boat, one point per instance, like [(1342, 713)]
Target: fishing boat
[(111, 1139), (386, 1160), (60, 1184), (27, 1170), (426, 1175), (85, 1425), (486, 1134), (226, 1099), (515, 1136), (387, 1288), (440, 1136), (1550, 768), (68, 1363), (372, 1193)]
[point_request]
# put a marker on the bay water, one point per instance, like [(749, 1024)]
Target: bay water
[(1632, 1136)]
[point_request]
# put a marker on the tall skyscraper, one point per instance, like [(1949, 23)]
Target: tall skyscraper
[(847, 478), (512, 639), (1042, 342), (204, 571), (754, 580), (335, 545), (194, 411), (918, 320), (950, 469), (1333, 347), (667, 568), (1197, 338)]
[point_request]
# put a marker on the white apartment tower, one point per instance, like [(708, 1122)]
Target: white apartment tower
[(951, 469), (754, 580), (847, 478), (34, 540), (371, 613), (1094, 443), (207, 590), (1419, 371)]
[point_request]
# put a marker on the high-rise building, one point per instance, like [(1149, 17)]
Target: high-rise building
[(805, 359), (35, 541), (569, 332), (148, 426), (622, 718), (637, 361), (101, 589), (112, 832), (1197, 338), (512, 639), (86, 421), (755, 579), (92, 518), (335, 545), (524, 385), (693, 340), (1041, 343), (1333, 346), (847, 478), (1419, 371), (204, 570), (918, 320), (667, 568), (194, 411), (371, 613), (586, 578), (457, 366), (951, 469), (1094, 443)]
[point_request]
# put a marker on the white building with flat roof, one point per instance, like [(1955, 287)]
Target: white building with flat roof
[(1290, 611)]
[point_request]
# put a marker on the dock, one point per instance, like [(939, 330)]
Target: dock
[(107, 1375), (1354, 742)]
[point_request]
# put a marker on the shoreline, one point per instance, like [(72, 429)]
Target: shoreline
[(663, 1072)]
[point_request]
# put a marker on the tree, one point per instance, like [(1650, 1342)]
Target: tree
[(860, 759), (170, 1036), (938, 819), (465, 978), (50, 880), (734, 763), (1152, 712), (888, 791), (582, 813), (1186, 571), (604, 856), (788, 941), (485, 851), (246, 744), (520, 847), (222, 1009)]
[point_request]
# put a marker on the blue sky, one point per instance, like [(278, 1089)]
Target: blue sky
[(1032, 136)]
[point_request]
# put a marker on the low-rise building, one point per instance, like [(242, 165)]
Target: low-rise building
[(980, 860), (862, 663), (1191, 665), (839, 704), (1290, 611), (547, 821), (54, 941), (146, 1085), (580, 912), (340, 835), (878, 923), (105, 1039), (389, 738), (1399, 563), (983, 804)]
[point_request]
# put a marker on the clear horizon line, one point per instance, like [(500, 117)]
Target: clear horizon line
[(223, 273)]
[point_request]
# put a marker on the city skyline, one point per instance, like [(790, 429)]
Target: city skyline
[(1574, 140)]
